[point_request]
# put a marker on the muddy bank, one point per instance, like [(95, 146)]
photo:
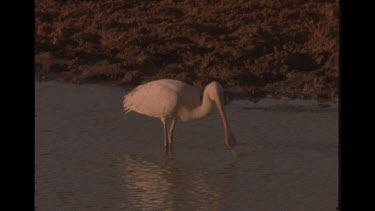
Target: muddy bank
[(272, 48)]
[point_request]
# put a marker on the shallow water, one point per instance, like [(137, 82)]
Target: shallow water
[(90, 156)]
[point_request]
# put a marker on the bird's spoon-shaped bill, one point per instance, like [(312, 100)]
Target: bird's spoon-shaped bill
[(229, 138)]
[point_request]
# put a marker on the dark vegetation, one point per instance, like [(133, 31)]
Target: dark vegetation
[(283, 48)]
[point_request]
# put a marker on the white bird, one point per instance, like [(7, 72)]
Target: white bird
[(167, 98)]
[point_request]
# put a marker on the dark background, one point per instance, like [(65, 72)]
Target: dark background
[(277, 48)]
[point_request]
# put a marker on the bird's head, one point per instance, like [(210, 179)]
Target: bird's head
[(215, 93)]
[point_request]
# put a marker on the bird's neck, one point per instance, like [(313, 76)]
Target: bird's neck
[(202, 110)]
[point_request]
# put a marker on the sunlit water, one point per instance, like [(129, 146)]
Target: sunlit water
[(90, 156)]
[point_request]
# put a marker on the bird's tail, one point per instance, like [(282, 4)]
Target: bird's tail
[(127, 103)]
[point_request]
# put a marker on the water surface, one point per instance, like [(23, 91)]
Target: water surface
[(90, 156)]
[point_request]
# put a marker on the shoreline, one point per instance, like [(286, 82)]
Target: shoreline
[(253, 94)]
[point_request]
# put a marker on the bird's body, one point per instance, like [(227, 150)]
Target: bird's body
[(167, 98), (163, 98)]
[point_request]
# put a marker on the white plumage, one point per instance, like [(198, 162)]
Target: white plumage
[(177, 100), (171, 95)]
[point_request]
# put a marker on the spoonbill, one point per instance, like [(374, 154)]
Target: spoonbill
[(176, 100)]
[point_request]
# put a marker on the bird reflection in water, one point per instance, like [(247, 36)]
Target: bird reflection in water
[(166, 186)]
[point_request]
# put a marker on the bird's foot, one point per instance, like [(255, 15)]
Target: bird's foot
[(168, 150)]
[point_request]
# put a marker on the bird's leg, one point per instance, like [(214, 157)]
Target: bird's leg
[(163, 120), (171, 129), (170, 133)]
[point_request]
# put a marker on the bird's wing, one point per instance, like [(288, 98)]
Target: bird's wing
[(151, 99)]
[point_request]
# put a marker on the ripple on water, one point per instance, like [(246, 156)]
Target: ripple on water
[(89, 155)]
